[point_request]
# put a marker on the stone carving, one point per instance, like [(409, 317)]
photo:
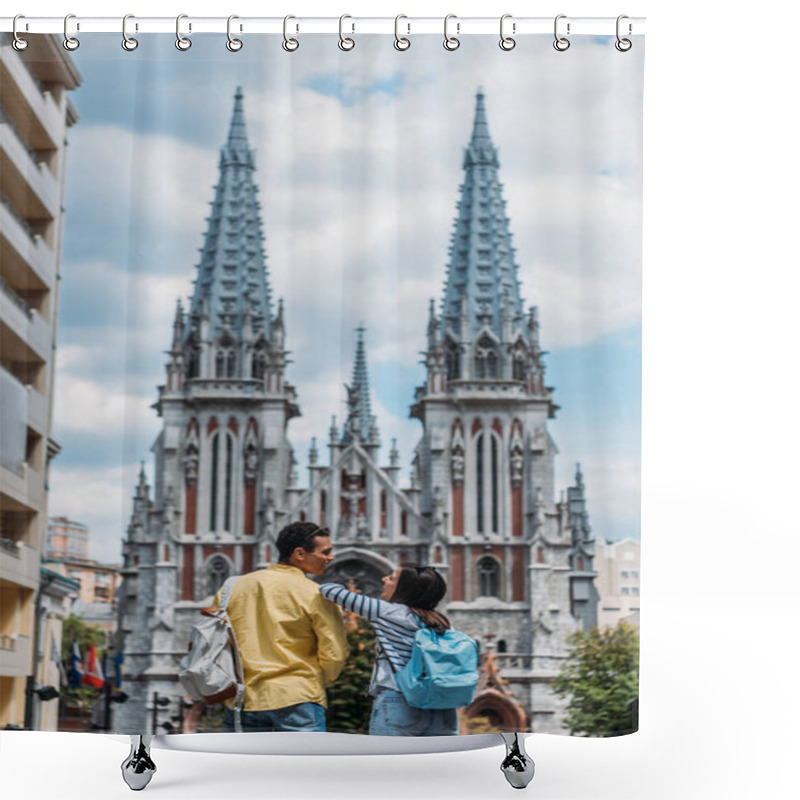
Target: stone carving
[(190, 464), (250, 464)]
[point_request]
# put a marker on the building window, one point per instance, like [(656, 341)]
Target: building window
[(634, 590), (495, 485), (501, 646), (221, 482), (580, 564), (323, 508), (479, 481), (634, 573), (486, 360), (226, 362), (453, 361), (219, 571), (488, 577), (625, 573), (625, 590)]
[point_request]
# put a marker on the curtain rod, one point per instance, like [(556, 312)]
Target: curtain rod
[(461, 26)]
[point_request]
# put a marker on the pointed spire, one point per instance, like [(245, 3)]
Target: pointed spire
[(232, 290), (360, 425), (482, 282)]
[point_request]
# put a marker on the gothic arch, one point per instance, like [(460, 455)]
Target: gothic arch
[(216, 570), (489, 577), (486, 357), (365, 569)]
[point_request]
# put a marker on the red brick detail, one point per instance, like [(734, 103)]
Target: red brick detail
[(191, 509), (166, 552), (212, 426), (233, 425), (438, 555), (497, 427), (192, 426), (250, 510), (187, 584), (458, 510), (457, 576), (252, 426), (516, 511), (476, 425), (518, 574), (267, 554), (247, 559)]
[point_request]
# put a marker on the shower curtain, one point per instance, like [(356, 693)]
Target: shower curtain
[(393, 293)]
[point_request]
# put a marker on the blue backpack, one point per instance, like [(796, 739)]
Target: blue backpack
[(442, 671)]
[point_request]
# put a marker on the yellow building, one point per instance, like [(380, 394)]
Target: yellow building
[(617, 582), (35, 114)]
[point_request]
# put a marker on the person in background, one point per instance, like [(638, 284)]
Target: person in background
[(408, 602), (291, 639)]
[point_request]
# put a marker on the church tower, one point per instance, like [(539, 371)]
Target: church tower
[(222, 459), (518, 562)]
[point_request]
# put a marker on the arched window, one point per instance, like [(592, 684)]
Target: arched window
[(486, 359), (487, 482), (518, 366), (453, 361), (501, 646), (323, 508), (219, 570), (221, 488), (226, 360), (495, 485), (479, 481), (488, 577), (193, 362)]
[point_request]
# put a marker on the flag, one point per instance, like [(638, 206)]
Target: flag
[(55, 656), (119, 659), (94, 672), (76, 666)]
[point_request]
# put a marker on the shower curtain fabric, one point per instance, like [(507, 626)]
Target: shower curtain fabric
[(392, 294)]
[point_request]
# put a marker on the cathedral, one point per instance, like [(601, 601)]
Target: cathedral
[(481, 503)]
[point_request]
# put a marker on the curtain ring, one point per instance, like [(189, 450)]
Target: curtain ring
[(561, 43), (70, 42), (289, 45), (345, 42), (507, 42), (400, 42), (18, 44), (451, 42), (128, 42), (183, 43), (623, 45), (233, 44)]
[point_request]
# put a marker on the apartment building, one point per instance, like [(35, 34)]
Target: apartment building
[(35, 115), (618, 582)]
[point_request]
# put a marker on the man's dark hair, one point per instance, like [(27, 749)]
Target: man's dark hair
[(298, 534)]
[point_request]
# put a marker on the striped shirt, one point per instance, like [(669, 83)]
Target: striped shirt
[(395, 626)]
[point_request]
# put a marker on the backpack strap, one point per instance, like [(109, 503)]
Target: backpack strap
[(238, 701)]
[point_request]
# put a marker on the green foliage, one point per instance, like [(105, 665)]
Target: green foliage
[(349, 706), (601, 680)]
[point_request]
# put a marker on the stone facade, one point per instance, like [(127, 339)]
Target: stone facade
[(481, 504)]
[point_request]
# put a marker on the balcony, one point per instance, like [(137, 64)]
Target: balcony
[(25, 245), (23, 92), (19, 563), (15, 655), (28, 325), (24, 486), (33, 189)]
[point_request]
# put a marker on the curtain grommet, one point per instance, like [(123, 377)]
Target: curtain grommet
[(401, 43), (18, 43), (289, 44), (233, 44), (346, 43), (129, 43), (561, 43), (507, 43), (623, 45), (70, 43), (183, 43), (451, 43)]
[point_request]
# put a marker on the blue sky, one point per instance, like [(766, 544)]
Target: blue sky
[(359, 164)]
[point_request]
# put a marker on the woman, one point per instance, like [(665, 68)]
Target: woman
[(407, 603)]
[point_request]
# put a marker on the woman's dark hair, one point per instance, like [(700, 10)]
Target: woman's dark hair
[(298, 534), (422, 589)]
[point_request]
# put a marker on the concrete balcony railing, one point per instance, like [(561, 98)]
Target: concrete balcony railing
[(38, 411), (30, 247), (19, 563), (25, 486), (15, 655), (37, 176), (41, 104), (30, 327)]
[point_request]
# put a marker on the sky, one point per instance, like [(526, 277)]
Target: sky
[(359, 162)]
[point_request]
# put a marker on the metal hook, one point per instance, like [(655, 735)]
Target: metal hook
[(507, 42), (70, 42), (128, 42), (345, 42), (623, 45), (233, 44), (289, 45), (451, 42), (561, 43), (183, 43), (19, 44), (400, 42)]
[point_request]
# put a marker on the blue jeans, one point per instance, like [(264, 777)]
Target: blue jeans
[(299, 717), (393, 716)]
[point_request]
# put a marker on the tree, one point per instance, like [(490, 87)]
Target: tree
[(601, 680), (349, 706)]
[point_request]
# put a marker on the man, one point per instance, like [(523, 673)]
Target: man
[(291, 639)]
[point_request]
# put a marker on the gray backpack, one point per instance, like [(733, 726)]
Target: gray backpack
[(212, 669)]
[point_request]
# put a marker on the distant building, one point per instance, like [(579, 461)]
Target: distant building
[(67, 539), (617, 566), (35, 115)]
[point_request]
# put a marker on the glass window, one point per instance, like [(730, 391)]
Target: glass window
[(488, 577), (625, 590)]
